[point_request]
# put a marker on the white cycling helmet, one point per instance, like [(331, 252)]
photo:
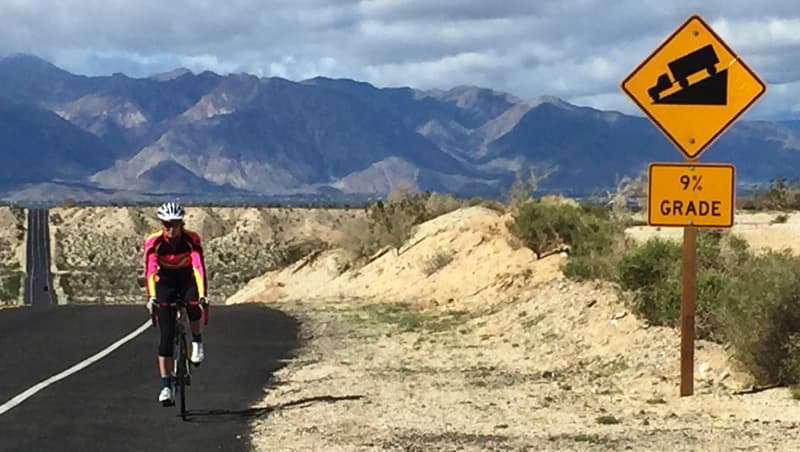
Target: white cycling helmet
[(170, 211)]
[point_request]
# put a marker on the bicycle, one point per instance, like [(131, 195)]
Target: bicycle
[(182, 364)]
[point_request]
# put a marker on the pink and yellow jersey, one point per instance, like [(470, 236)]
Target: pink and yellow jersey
[(183, 258)]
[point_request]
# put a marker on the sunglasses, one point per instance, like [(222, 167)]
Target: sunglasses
[(171, 224)]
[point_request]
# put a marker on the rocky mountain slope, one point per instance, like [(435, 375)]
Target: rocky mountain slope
[(211, 137)]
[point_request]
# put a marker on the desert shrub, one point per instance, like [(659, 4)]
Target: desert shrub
[(439, 204), (10, 285), (628, 196), (758, 316), (789, 371), (779, 219), (782, 194), (391, 223), (652, 272), (648, 264), (794, 392), (290, 253), (748, 301), (436, 262), (600, 262), (593, 238), (359, 238), (543, 226), (521, 190)]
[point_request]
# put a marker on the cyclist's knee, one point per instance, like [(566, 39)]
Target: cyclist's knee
[(194, 312)]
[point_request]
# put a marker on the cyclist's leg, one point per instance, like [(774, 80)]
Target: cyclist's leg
[(166, 322), (193, 310), (195, 314)]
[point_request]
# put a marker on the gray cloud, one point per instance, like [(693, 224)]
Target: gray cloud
[(579, 50)]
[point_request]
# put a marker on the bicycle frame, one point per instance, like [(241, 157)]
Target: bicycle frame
[(181, 368)]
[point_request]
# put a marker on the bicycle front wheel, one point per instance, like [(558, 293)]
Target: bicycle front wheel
[(182, 372)]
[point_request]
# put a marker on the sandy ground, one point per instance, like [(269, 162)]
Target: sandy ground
[(762, 230), (491, 349)]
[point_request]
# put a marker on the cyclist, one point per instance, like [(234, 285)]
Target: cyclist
[(174, 266)]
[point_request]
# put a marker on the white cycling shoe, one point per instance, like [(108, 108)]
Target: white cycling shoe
[(165, 397), (198, 355)]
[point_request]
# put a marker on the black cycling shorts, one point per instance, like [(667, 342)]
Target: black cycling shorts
[(173, 286), (168, 291)]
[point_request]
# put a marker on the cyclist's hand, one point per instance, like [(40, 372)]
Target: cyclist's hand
[(204, 307), (152, 305)]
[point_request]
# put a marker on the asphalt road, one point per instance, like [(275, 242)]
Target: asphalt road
[(38, 280), (111, 405)]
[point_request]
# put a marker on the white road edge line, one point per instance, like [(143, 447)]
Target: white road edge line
[(76, 368)]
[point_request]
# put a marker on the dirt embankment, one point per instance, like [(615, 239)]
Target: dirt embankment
[(458, 341)]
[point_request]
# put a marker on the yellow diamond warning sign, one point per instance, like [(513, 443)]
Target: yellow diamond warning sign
[(690, 194), (693, 86)]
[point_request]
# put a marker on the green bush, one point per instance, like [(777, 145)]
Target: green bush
[(595, 241), (545, 226), (758, 314), (10, 285), (789, 371), (749, 301), (653, 262), (653, 273)]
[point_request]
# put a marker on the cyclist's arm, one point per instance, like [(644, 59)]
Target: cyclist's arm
[(198, 264), (150, 265)]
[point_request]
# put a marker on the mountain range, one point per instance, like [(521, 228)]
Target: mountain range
[(209, 137)]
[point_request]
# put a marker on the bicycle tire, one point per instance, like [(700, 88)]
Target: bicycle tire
[(181, 372)]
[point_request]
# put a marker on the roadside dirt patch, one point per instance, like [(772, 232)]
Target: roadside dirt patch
[(524, 374)]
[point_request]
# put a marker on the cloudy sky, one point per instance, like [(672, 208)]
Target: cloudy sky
[(578, 50)]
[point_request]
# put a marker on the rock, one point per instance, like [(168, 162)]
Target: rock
[(703, 370)]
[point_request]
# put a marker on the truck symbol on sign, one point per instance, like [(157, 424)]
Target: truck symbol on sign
[(683, 67)]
